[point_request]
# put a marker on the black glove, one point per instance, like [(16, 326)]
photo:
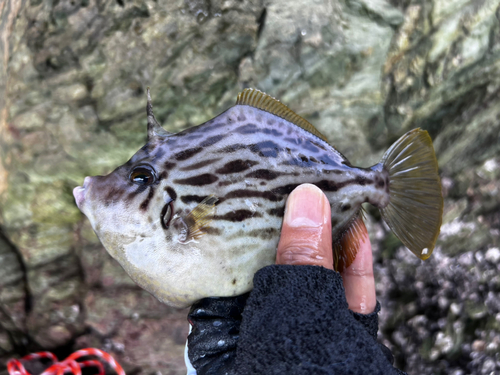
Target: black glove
[(296, 321), (215, 331)]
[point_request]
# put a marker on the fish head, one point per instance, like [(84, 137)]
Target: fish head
[(133, 212), (130, 208), (127, 203)]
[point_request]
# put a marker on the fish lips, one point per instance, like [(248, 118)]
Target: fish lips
[(79, 192)]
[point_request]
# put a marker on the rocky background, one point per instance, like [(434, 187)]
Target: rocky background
[(73, 75)]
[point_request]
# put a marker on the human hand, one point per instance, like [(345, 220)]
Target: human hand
[(306, 239)]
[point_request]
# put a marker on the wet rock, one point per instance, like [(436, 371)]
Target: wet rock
[(493, 255)]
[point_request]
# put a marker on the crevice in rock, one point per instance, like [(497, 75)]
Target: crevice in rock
[(19, 339), (261, 22), (28, 297)]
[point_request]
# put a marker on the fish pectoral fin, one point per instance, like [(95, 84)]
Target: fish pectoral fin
[(257, 99), (346, 245), (199, 219)]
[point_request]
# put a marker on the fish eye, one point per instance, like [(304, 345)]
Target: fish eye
[(143, 175)]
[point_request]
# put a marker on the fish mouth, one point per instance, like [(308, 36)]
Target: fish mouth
[(79, 192)]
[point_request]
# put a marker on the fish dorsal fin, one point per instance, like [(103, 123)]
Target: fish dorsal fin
[(198, 220), (260, 100), (154, 128), (347, 244)]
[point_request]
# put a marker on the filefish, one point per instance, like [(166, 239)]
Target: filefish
[(195, 214)]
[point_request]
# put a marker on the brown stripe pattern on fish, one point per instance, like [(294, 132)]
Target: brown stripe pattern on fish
[(197, 213)]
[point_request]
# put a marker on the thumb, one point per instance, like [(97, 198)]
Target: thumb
[(306, 234)]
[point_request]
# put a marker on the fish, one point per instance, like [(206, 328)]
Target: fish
[(195, 214)]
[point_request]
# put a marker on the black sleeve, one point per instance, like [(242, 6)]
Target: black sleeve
[(296, 321), (370, 322)]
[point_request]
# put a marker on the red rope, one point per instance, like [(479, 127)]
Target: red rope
[(70, 364)]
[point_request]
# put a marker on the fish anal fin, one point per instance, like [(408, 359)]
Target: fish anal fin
[(346, 245), (260, 100), (199, 219)]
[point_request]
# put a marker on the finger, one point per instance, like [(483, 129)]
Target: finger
[(359, 282), (306, 234)]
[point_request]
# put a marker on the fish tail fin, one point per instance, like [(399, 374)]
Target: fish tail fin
[(415, 208)]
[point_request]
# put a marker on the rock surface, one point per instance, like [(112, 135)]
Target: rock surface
[(72, 82)]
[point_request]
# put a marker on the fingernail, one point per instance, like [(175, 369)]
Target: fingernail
[(306, 207)]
